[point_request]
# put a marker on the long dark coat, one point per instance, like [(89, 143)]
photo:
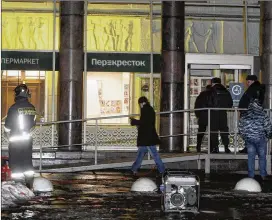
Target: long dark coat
[(147, 135)]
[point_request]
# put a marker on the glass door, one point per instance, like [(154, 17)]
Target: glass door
[(199, 78)]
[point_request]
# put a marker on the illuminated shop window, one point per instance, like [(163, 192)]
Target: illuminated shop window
[(108, 94), (35, 80), (35, 74)]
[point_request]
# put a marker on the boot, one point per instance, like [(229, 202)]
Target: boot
[(227, 150), (198, 148), (215, 150)]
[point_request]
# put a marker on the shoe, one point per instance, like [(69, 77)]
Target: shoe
[(227, 150), (215, 151), (133, 173), (264, 178), (244, 151)]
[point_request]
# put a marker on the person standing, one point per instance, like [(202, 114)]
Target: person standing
[(202, 115), (147, 138), (220, 97), (253, 87), (255, 129), (21, 118)]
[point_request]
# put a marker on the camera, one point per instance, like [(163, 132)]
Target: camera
[(180, 192)]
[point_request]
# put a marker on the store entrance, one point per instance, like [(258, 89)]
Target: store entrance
[(35, 82), (201, 69)]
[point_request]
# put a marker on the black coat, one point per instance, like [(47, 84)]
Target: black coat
[(250, 93), (220, 98), (147, 135), (202, 101)]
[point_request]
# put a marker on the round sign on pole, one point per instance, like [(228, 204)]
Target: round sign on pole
[(237, 90)]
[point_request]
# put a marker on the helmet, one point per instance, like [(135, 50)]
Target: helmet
[(22, 91)]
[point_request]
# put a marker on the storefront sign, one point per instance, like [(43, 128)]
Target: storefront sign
[(98, 62), (120, 62), (22, 60)]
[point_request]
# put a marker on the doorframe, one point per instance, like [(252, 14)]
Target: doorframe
[(213, 59)]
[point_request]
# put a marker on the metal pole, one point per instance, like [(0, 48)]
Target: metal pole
[(96, 132), (151, 92), (235, 129), (246, 26), (151, 55), (40, 136), (85, 76), (208, 159), (53, 72)]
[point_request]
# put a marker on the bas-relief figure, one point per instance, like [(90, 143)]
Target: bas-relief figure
[(20, 44), (32, 43), (41, 32), (190, 38), (6, 36), (233, 38), (209, 39)]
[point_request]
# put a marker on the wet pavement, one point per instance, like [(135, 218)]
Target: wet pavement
[(106, 195)]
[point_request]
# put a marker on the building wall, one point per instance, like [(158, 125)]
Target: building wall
[(123, 28)]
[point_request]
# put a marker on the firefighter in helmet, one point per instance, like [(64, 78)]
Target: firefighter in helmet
[(21, 119)]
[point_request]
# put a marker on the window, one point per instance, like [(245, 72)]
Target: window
[(108, 94)]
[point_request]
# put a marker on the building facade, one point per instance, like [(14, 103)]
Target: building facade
[(119, 42)]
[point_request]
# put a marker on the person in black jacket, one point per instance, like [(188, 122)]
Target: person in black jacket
[(147, 136), (220, 98), (254, 86), (18, 124), (202, 115)]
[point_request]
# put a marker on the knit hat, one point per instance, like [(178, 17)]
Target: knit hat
[(215, 80), (252, 77)]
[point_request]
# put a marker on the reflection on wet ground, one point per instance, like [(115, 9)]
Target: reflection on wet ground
[(106, 195)]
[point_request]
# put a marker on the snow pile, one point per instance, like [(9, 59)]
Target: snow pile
[(15, 193)]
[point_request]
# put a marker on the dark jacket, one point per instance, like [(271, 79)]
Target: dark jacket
[(251, 93), (24, 108), (220, 97), (147, 135), (255, 123), (202, 101)]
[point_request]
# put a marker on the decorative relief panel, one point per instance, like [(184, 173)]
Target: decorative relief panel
[(27, 31), (34, 31)]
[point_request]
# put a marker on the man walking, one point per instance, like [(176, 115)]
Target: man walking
[(220, 98), (147, 136), (202, 101)]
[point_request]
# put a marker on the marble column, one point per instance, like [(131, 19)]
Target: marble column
[(71, 61), (266, 50), (172, 75)]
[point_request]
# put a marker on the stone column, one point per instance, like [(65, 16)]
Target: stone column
[(71, 61), (172, 75), (266, 50)]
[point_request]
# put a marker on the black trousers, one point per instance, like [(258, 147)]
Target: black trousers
[(219, 123), (20, 156), (201, 129)]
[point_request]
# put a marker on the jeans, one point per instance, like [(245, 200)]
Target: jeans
[(258, 147), (142, 150)]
